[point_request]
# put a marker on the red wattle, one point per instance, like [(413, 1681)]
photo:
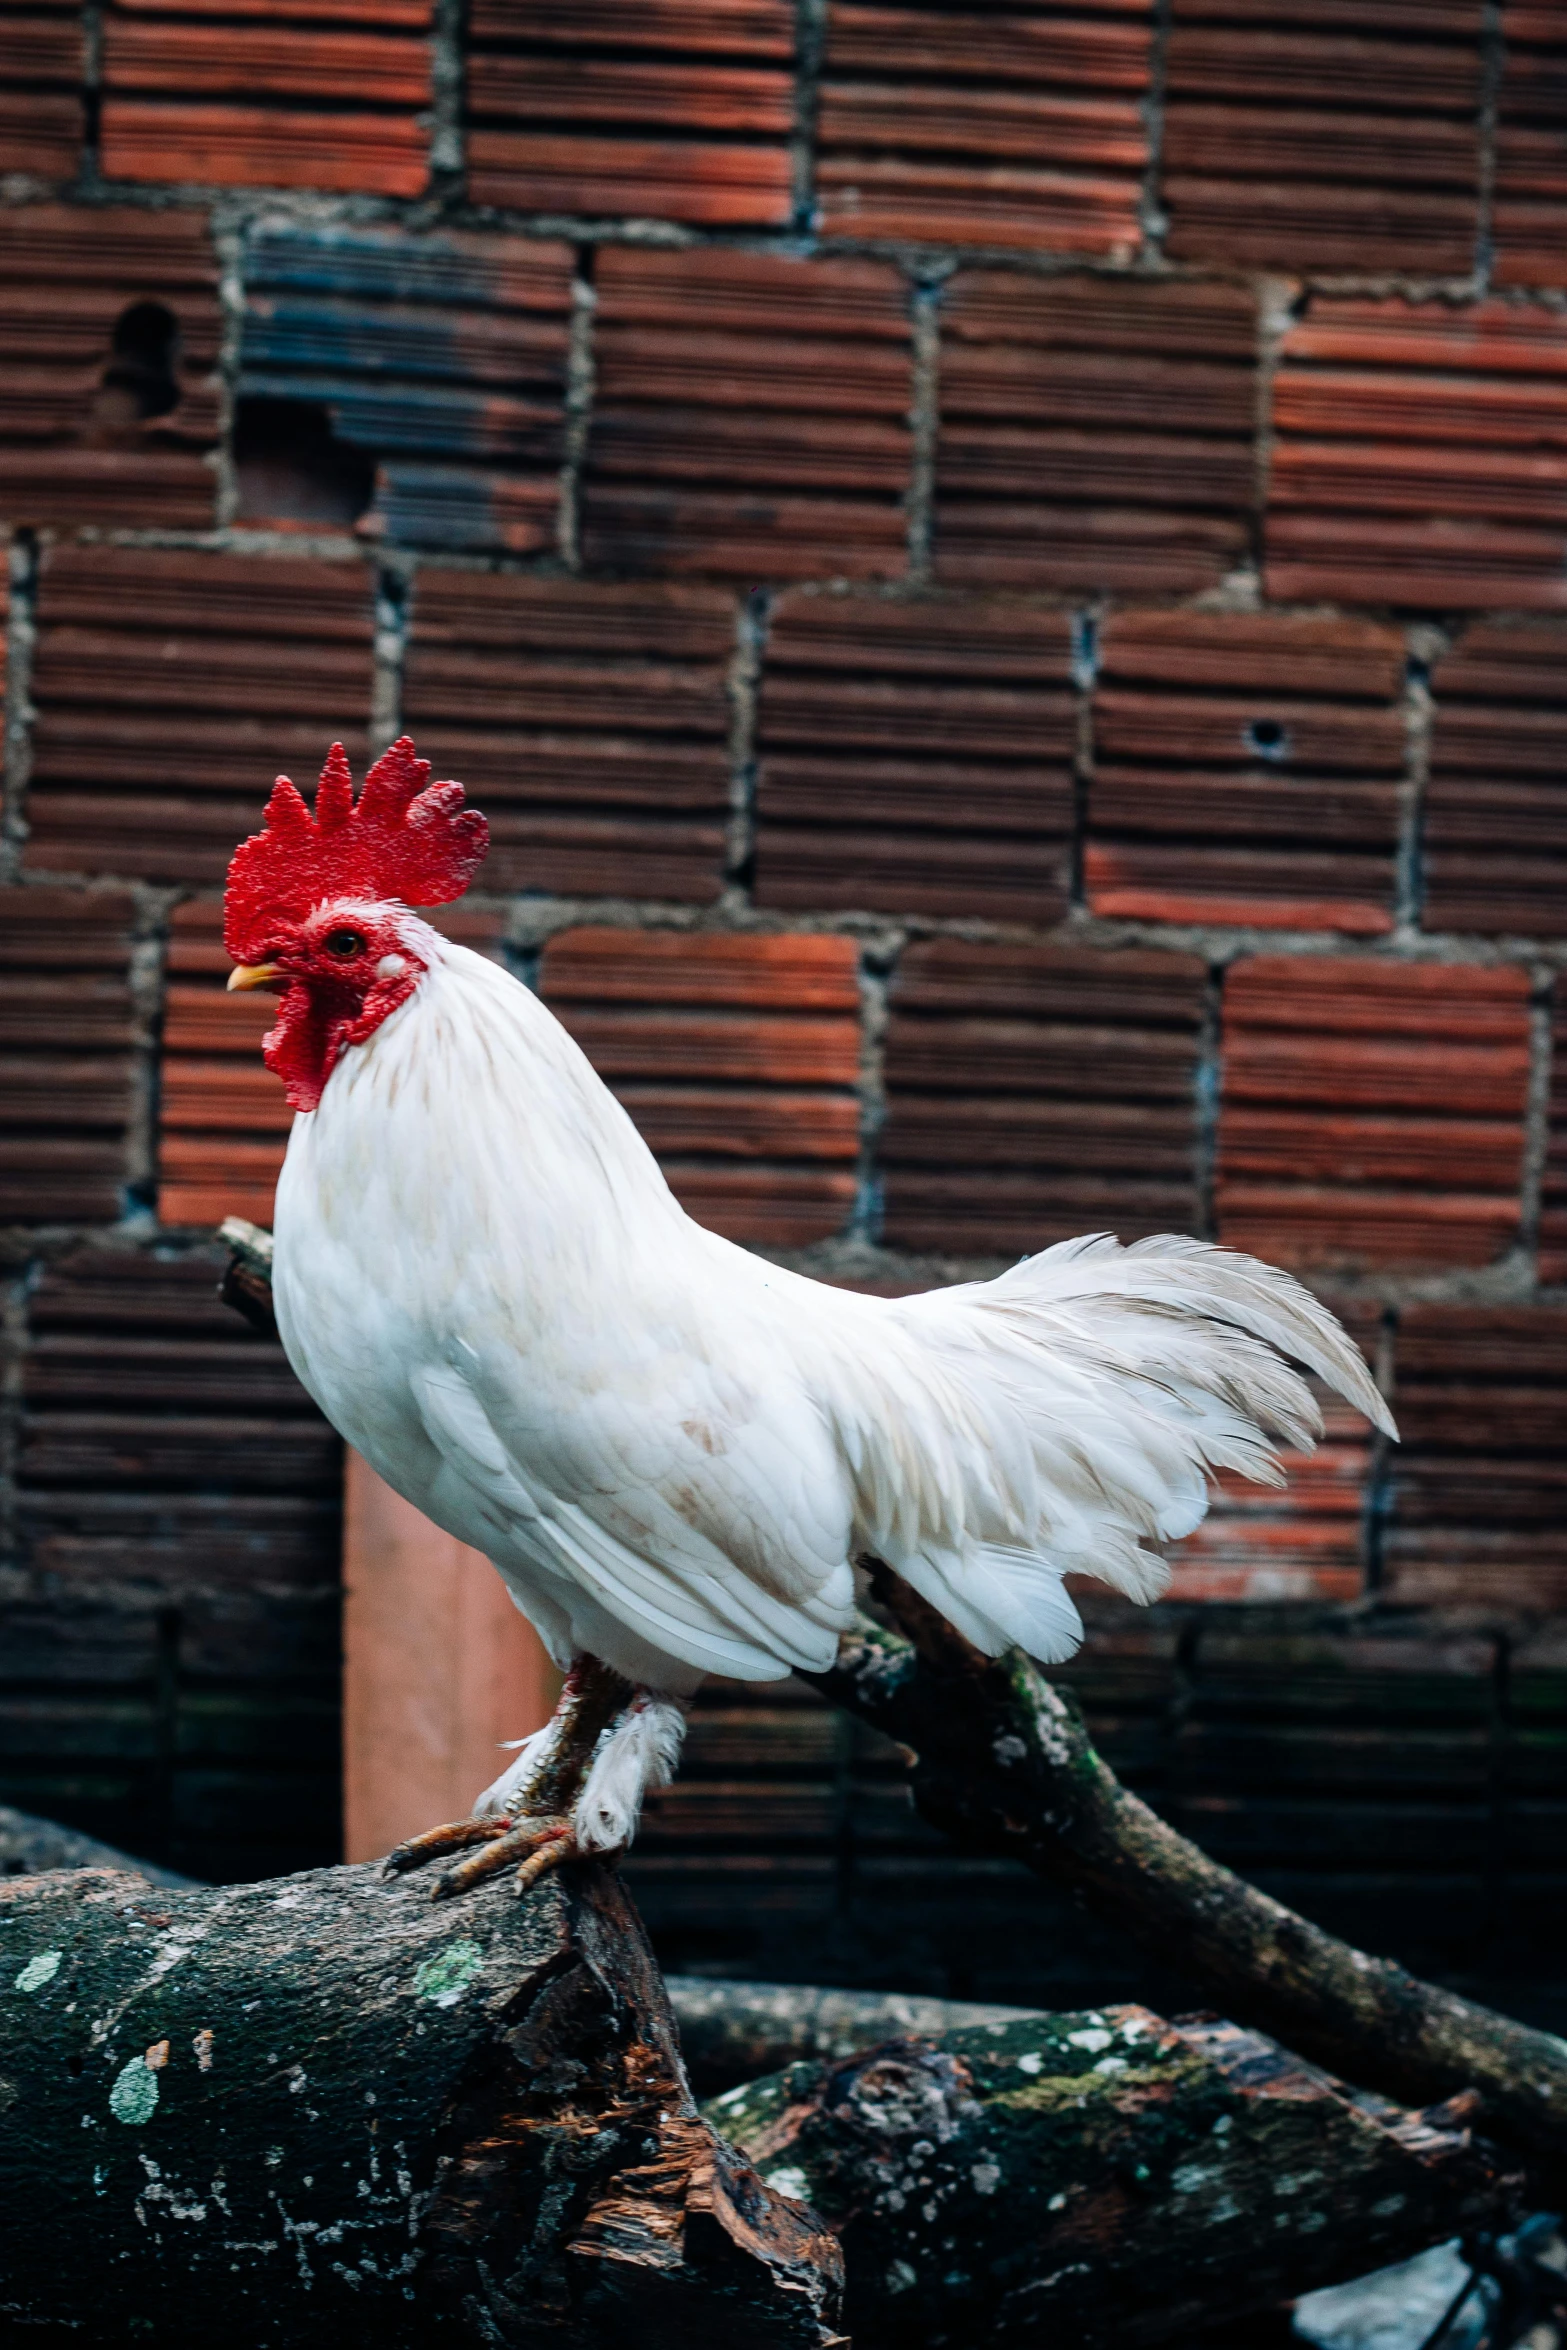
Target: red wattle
[(316, 1025)]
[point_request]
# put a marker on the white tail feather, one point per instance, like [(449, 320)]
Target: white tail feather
[(1056, 1419)]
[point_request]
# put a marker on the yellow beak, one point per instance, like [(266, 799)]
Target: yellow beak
[(246, 975)]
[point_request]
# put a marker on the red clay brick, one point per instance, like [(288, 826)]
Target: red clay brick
[(1246, 769), (1416, 458), (751, 416), (656, 109), (947, 125), (1372, 1113), (737, 1057), (916, 758)]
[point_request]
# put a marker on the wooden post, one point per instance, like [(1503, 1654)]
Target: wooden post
[(438, 1669)]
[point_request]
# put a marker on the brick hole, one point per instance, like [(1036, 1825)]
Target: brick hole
[(140, 380), (291, 466), (1268, 738)]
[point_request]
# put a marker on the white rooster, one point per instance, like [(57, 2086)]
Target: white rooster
[(674, 1451)]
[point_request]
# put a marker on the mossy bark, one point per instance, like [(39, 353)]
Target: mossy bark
[(1100, 2179), (323, 2110)]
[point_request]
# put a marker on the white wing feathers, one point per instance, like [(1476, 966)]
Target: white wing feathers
[(720, 1563)]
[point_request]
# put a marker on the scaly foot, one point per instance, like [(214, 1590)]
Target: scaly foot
[(575, 1789), (541, 1843), (451, 1836)]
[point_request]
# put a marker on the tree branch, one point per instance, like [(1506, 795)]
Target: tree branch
[(735, 2031), (1003, 1762)]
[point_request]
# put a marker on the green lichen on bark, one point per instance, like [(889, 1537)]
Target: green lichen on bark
[(222, 2167), (325, 2111)]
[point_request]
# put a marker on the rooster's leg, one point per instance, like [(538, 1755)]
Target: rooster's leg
[(534, 1818), (585, 1794)]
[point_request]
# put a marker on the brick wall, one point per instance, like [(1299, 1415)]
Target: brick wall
[(1000, 576)]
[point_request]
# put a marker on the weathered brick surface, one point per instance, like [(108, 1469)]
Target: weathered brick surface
[(303, 94), (1324, 137), (68, 1074), (1531, 168), (1247, 769), (1553, 1204), (440, 363), (1095, 433), (916, 758), (1417, 456), (172, 1671), (642, 107), (1477, 1488), (1034, 1093), (165, 682), (750, 416), (1372, 1115), (109, 396), (42, 61), (1496, 813), (955, 126), (592, 722), (737, 1057)]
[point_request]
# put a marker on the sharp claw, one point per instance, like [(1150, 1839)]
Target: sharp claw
[(452, 1836), (541, 1843), (560, 1846), (482, 1864)]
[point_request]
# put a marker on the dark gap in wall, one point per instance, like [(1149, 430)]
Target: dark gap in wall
[(1085, 670), (141, 379), (291, 467), (1412, 857)]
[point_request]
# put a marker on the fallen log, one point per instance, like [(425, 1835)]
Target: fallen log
[(729, 2031), (1003, 1762), (323, 2111), (29, 1846), (1101, 2179), (736, 2031)]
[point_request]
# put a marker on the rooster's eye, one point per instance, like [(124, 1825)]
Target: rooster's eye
[(345, 944)]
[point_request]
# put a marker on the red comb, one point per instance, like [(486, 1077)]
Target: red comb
[(406, 838)]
